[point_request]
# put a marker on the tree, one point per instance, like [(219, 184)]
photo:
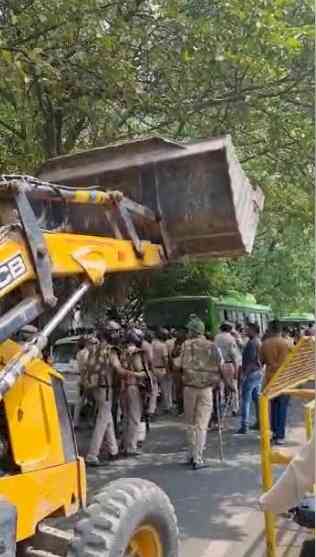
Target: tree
[(81, 73), (281, 270)]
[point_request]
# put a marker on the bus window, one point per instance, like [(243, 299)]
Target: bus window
[(259, 322), (264, 320), (221, 315), (225, 315), (241, 318), (252, 317), (230, 316)]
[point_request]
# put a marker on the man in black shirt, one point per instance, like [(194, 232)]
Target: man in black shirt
[(251, 378)]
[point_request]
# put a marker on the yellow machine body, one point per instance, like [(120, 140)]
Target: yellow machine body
[(50, 477)]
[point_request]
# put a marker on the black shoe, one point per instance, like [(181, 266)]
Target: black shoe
[(200, 465), (241, 431), (255, 427)]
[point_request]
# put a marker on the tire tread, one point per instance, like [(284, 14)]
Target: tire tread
[(94, 534)]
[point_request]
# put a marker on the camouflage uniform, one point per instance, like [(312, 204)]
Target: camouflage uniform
[(201, 363), (103, 362), (82, 360)]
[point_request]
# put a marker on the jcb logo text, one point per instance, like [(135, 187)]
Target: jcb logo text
[(11, 270)]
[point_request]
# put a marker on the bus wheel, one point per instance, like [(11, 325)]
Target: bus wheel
[(129, 518)]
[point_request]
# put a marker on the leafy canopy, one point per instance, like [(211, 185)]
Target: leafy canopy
[(81, 73)]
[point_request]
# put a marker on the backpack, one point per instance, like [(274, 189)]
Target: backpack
[(199, 365)]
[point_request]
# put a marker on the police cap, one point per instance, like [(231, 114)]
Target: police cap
[(196, 326)]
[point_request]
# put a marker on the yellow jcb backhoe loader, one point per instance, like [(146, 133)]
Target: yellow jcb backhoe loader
[(46, 234)]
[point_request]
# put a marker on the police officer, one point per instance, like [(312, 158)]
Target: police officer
[(103, 366), (226, 343), (176, 362), (82, 361), (201, 364), (161, 367), (170, 390), (147, 346), (136, 389)]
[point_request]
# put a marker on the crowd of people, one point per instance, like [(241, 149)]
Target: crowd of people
[(134, 375)]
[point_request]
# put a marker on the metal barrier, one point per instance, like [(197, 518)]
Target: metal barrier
[(297, 369), (309, 415)]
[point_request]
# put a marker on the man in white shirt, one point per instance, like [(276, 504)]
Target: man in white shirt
[(295, 482)]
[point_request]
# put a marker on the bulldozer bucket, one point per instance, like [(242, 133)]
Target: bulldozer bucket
[(199, 190)]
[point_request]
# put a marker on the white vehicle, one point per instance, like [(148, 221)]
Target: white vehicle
[(64, 354)]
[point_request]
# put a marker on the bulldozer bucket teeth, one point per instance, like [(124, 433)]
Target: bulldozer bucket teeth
[(198, 191)]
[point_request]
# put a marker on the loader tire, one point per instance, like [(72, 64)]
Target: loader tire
[(130, 517)]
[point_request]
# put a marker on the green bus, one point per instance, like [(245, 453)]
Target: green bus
[(293, 320), (174, 312)]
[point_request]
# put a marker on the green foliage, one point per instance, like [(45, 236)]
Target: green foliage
[(189, 279), (281, 270), (82, 73)]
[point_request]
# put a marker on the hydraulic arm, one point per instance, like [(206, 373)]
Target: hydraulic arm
[(31, 256)]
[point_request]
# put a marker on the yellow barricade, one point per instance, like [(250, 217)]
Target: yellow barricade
[(297, 369), (309, 415)]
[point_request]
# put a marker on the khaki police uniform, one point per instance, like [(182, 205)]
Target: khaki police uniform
[(161, 371), (131, 397), (201, 364), (103, 363), (232, 361), (148, 354), (171, 393)]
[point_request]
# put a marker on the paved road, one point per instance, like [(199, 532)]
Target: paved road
[(216, 507)]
